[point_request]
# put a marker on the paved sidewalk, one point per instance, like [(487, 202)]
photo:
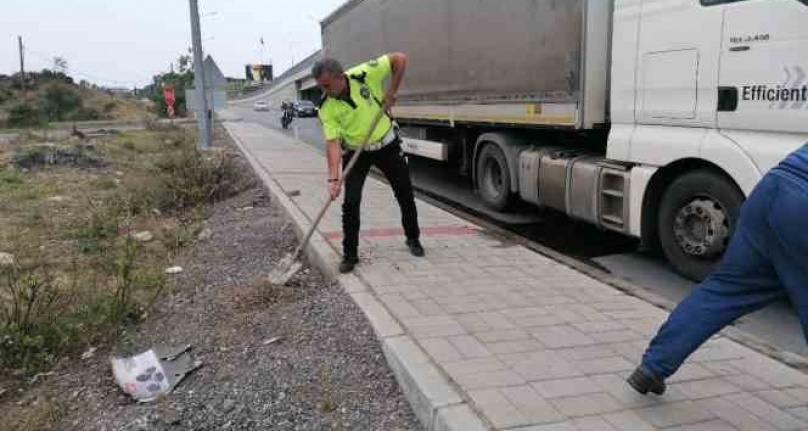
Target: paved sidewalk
[(485, 335)]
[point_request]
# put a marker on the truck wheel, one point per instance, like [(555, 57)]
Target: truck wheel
[(493, 178), (697, 216)]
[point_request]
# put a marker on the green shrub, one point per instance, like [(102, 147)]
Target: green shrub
[(56, 101), (25, 115), (33, 304), (10, 179), (191, 179), (84, 113)]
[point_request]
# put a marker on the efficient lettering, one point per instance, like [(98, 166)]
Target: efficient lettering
[(764, 93)]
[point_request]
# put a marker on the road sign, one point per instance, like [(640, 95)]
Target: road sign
[(216, 99), (214, 78), (168, 96)]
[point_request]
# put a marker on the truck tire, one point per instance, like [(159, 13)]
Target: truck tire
[(698, 213), (494, 178)]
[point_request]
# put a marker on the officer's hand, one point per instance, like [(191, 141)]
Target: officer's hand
[(334, 189), (389, 101)]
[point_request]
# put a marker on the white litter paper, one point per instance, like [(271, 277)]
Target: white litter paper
[(141, 376)]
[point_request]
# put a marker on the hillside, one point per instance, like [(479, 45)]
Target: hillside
[(55, 97)]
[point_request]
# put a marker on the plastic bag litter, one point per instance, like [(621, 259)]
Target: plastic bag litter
[(154, 372)]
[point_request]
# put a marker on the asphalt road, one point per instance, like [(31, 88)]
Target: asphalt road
[(777, 324)]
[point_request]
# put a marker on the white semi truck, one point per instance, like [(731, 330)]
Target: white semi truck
[(653, 118)]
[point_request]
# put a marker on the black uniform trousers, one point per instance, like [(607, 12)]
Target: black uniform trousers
[(390, 160)]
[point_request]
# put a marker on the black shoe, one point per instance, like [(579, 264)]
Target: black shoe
[(416, 249), (643, 382), (348, 263)]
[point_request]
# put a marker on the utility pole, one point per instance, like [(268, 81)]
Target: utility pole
[(22, 64), (203, 113)]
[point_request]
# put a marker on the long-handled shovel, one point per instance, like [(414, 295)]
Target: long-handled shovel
[(290, 264)]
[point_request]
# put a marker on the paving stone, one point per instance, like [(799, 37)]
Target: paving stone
[(504, 335), (615, 384), (604, 365), (441, 350), (505, 347), (628, 421), (469, 347), (511, 407), (566, 387), (715, 425), (799, 412), (428, 307), (488, 379), (588, 404), (541, 366), (458, 418), (622, 336), (779, 418), (469, 366), (595, 423), (735, 415), (691, 371), (706, 388), (561, 336), (675, 414), (779, 398), (587, 352), (549, 427), (748, 383)]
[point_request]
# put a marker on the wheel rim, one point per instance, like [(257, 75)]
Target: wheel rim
[(494, 179), (701, 228)]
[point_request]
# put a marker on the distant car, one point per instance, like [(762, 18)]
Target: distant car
[(261, 106), (305, 108)]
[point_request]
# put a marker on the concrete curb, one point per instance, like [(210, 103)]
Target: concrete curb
[(431, 395)]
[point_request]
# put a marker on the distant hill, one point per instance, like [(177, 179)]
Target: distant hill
[(53, 96)]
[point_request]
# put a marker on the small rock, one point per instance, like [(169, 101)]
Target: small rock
[(169, 417), (271, 341), (156, 212), (247, 208), (118, 174), (144, 236), (39, 376), (205, 234), (174, 270), (58, 198), (6, 259), (89, 353), (228, 405)]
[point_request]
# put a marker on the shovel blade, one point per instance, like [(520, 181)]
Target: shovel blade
[(285, 270)]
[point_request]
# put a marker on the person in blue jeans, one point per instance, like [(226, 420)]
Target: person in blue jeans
[(767, 260)]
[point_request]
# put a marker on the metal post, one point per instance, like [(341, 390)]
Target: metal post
[(22, 64), (202, 114)]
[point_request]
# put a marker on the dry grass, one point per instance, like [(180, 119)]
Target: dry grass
[(78, 223), (41, 415)]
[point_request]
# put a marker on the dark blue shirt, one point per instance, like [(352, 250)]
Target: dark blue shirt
[(795, 166)]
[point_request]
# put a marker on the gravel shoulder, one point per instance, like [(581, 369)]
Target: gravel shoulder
[(327, 370)]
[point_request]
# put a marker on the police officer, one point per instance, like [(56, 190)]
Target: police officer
[(767, 260), (350, 102)]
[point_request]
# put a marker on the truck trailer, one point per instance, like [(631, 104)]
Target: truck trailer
[(652, 118)]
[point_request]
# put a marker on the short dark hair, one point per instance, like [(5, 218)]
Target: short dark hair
[(326, 65)]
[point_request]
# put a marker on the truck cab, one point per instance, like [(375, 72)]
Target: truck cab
[(706, 97)]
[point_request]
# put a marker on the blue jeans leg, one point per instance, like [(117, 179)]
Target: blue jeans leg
[(788, 244), (745, 281)]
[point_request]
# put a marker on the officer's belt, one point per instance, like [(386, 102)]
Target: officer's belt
[(386, 140)]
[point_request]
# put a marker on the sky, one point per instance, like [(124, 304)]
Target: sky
[(123, 43)]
